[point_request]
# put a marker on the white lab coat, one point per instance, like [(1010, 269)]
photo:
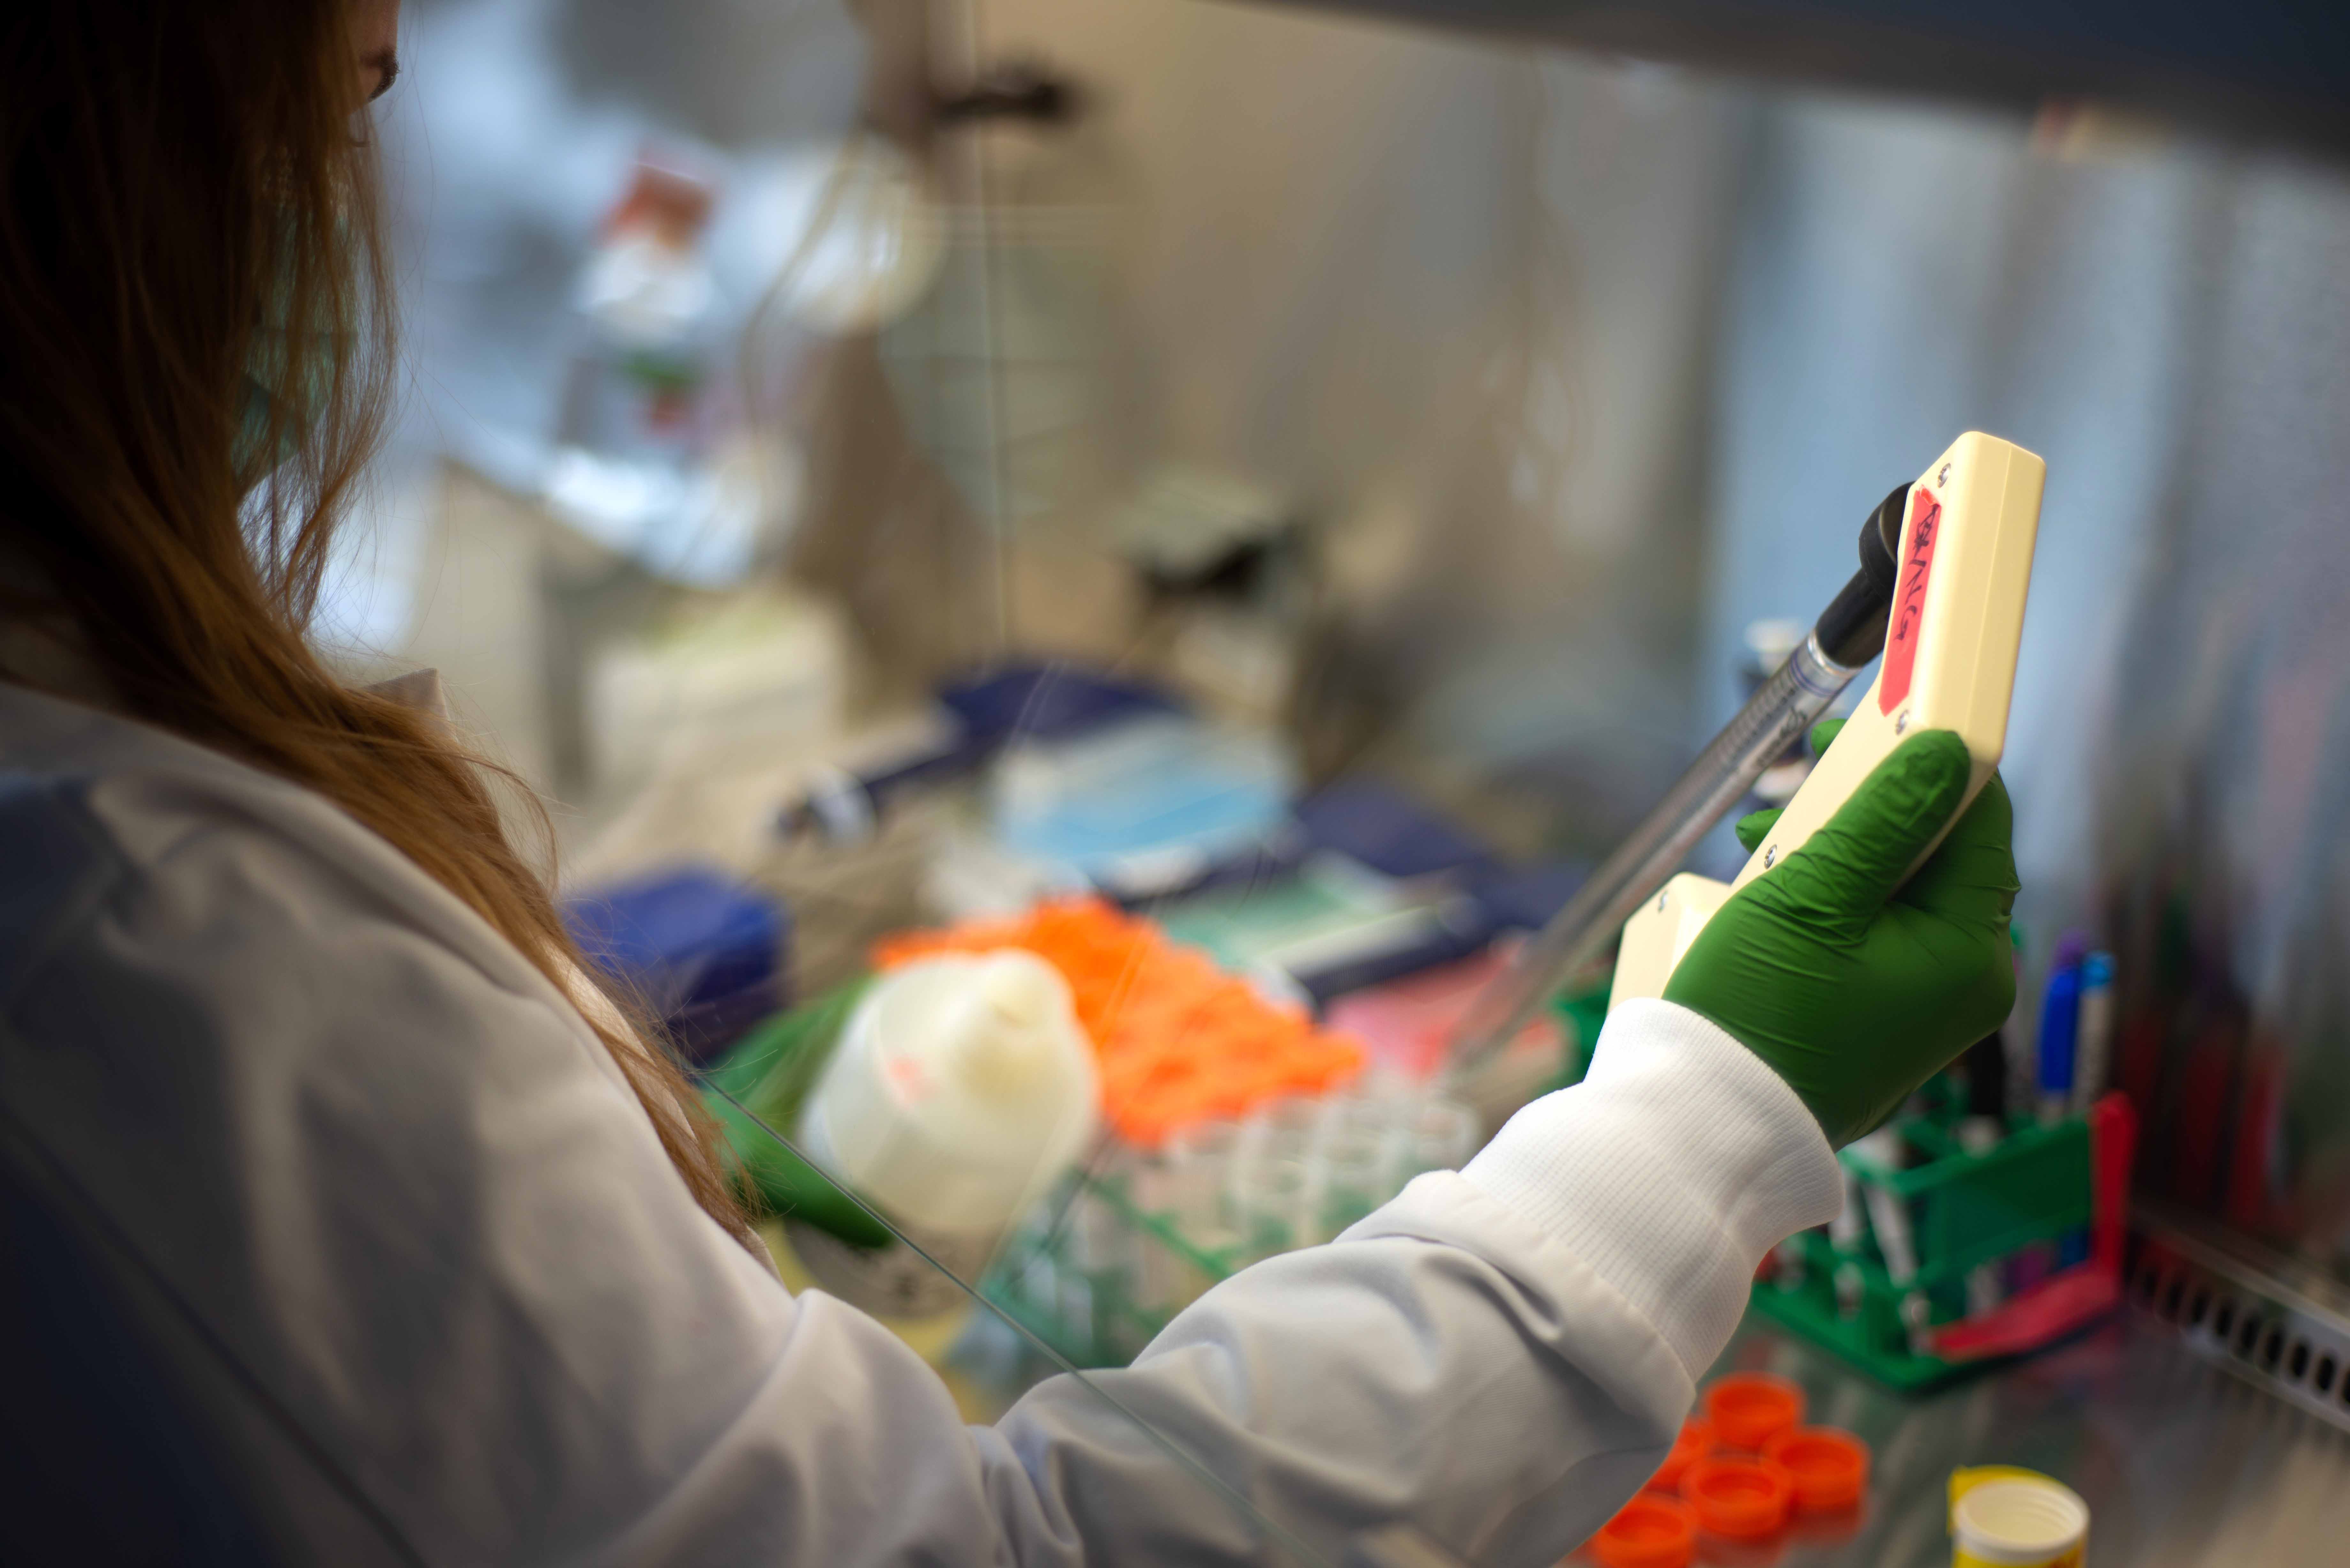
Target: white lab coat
[(336, 1237)]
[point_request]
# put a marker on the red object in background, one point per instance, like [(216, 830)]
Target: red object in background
[(2259, 1122), (1742, 1499), (2137, 1058), (1649, 1531), (2030, 1319), (670, 202), (1747, 1409), (2063, 1303), (2199, 1116), (2113, 1145), (1827, 1469), (1407, 1024)]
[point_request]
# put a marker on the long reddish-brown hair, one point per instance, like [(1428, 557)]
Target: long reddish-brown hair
[(195, 336)]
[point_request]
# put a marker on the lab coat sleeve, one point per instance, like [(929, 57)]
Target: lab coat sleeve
[(1497, 1358), (404, 1209)]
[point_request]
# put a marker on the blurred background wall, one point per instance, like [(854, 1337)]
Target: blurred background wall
[(1566, 368)]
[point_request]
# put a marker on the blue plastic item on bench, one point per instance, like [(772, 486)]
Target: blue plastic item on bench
[(705, 952)]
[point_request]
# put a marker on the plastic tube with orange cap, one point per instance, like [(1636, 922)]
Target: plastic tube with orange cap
[(1649, 1531), (1747, 1409), (1826, 1469), (1744, 1500)]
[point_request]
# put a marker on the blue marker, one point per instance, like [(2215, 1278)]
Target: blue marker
[(2060, 1021)]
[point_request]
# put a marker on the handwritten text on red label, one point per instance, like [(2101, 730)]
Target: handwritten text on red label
[(1908, 621)]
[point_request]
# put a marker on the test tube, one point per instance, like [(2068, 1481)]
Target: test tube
[(1788, 1264), (1104, 1256), (1984, 1289), (1986, 1119), (1888, 1216), (1099, 1238), (1155, 1190), (1150, 1181), (1845, 1233), (1199, 1160), (1276, 1208), (1207, 1215), (1298, 1130), (1291, 1126), (1276, 1130), (1358, 1167), (1443, 1135)]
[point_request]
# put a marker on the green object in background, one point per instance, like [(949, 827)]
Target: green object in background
[(1101, 1322), (1581, 1015), (1854, 984), (1966, 1211), (771, 1072), (1244, 927)]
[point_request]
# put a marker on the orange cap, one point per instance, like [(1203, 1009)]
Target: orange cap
[(1178, 1040), (1695, 1442), (1738, 1498), (1749, 1408), (1649, 1531), (1828, 1469)]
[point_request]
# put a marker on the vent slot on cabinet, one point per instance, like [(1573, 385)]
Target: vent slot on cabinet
[(2264, 1332)]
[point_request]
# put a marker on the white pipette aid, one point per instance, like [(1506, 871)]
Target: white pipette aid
[(1965, 566)]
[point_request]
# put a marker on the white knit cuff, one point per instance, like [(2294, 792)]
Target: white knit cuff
[(1677, 1163)]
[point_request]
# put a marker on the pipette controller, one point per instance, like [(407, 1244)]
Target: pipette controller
[(1956, 620), (1848, 635)]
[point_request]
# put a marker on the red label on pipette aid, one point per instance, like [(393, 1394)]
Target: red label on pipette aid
[(1910, 599)]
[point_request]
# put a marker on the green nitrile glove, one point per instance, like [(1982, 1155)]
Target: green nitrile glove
[(1855, 986)]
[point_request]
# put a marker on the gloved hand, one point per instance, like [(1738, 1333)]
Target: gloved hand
[(1854, 986)]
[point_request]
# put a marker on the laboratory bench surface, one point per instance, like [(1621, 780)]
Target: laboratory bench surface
[(2180, 1461)]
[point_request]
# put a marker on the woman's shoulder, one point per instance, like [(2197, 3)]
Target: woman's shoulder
[(179, 931), (99, 811)]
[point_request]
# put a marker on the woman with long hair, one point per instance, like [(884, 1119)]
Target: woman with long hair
[(344, 1220)]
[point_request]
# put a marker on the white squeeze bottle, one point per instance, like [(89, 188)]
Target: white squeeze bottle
[(962, 1089)]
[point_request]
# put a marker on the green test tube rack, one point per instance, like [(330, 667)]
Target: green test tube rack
[(1096, 1275), (2001, 1218)]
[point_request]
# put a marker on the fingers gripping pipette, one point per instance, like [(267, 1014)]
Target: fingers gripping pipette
[(1957, 546)]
